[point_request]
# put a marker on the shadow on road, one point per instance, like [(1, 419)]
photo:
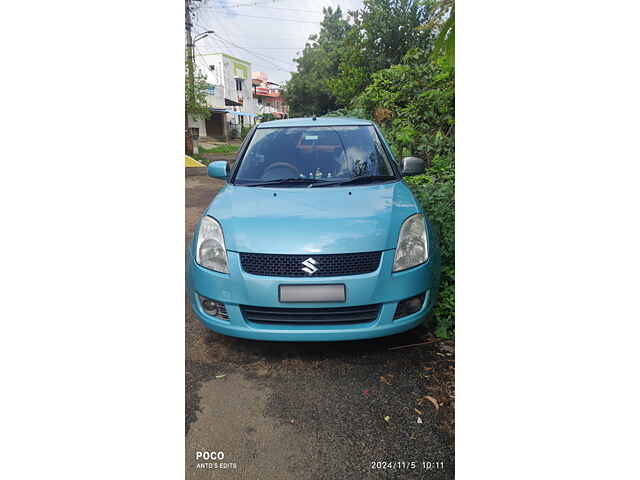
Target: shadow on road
[(354, 351)]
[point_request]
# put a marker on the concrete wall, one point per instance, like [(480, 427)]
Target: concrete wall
[(196, 122), (217, 99)]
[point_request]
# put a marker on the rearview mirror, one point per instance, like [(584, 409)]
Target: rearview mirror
[(218, 169), (412, 166)]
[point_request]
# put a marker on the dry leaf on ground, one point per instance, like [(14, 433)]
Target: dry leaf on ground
[(423, 400)]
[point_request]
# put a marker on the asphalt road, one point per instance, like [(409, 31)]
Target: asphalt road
[(314, 410)]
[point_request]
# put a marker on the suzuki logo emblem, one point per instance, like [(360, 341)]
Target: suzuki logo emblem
[(310, 266)]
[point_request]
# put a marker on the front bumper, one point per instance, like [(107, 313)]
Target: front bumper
[(380, 287)]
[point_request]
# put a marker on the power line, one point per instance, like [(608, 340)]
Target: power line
[(274, 18), (266, 56), (257, 55), (201, 59), (224, 45), (260, 54), (227, 46), (226, 32), (260, 59), (276, 48), (255, 63), (274, 8), (221, 24), (242, 5)]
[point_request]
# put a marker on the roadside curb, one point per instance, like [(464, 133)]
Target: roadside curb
[(191, 171), (193, 167)]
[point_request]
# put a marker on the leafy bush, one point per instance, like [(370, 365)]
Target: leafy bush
[(348, 112), (438, 200)]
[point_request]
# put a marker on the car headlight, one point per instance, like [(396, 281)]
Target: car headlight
[(413, 246), (210, 250)]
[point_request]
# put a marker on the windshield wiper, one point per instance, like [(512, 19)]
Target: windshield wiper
[(280, 181), (359, 180)]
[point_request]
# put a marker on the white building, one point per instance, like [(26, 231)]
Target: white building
[(230, 96)]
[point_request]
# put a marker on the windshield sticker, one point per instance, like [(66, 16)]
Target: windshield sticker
[(311, 137)]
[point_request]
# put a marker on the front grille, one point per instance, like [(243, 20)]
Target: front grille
[(340, 264), (364, 313)]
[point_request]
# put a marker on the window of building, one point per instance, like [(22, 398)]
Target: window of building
[(239, 84)]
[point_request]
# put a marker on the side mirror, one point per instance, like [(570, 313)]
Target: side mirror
[(218, 169), (411, 166)]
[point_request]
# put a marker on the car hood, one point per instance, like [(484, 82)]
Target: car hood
[(312, 220)]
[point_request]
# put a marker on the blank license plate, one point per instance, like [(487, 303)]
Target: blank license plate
[(312, 293)]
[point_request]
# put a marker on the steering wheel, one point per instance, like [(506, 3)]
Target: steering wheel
[(287, 165)]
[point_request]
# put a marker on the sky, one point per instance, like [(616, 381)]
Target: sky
[(270, 42)]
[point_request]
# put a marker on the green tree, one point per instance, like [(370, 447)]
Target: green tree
[(414, 102), (195, 94), (308, 92), (443, 21), (382, 33)]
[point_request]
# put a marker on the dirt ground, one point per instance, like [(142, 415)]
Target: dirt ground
[(314, 410)]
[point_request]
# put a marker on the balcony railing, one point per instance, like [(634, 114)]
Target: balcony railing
[(265, 92)]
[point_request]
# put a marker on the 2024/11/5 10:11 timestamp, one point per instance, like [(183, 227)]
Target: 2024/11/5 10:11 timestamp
[(403, 465)]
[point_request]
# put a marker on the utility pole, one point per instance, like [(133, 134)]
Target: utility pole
[(188, 140)]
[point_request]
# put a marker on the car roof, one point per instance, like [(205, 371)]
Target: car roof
[(318, 122)]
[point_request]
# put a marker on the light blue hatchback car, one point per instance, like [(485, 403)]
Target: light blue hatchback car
[(314, 237)]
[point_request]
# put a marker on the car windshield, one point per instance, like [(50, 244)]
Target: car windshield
[(303, 156)]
